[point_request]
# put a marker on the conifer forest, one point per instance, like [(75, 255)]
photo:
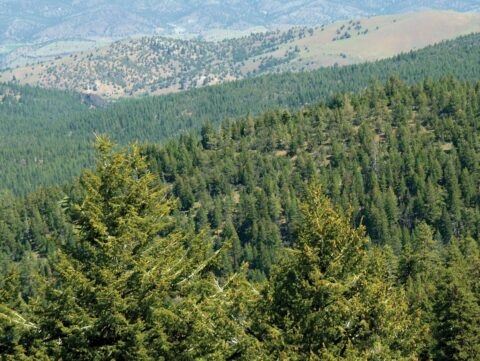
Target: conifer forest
[(331, 214)]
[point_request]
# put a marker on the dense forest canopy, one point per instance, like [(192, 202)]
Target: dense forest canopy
[(345, 230), (56, 130)]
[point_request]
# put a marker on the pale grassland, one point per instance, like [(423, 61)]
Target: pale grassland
[(342, 43)]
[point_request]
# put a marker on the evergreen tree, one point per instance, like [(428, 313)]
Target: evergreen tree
[(134, 287), (13, 325), (332, 298), (457, 311), (419, 272)]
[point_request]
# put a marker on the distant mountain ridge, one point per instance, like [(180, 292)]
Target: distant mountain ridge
[(159, 65), (42, 20)]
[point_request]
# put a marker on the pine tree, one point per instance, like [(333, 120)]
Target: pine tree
[(13, 325), (457, 311), (133, 288), (332, 298), (208, 136), (419, 272), (230, 234)]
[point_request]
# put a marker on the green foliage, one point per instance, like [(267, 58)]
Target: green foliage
[(457, 310), (56, 138), (388, 269), (331, 299), (34, 135), (420, 267), (394, 176), (134, 286)]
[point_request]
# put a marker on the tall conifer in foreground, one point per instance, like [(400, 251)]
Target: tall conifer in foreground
[(420, 271), (134, 288), (457, 310), (334, 299)]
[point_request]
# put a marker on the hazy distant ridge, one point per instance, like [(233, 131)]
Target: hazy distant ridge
[(27, 20)]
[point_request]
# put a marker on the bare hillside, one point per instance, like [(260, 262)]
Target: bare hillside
[(159, 65)]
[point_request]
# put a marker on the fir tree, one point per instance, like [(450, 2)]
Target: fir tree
[(457, 311), (332, 298), (134, 288)]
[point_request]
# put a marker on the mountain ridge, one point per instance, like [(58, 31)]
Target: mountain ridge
[(27, 20), (161, 65)]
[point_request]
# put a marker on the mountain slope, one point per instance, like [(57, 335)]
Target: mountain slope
[(60, 146), (28, 20), (402, 161), (159, 65)]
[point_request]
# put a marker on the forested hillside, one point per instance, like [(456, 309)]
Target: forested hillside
[(35, 136), (346, 230), (159, 65), (398, 156), (60, 146)]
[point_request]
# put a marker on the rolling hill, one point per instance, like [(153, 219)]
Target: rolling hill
[(56, 145), (160, 65)]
